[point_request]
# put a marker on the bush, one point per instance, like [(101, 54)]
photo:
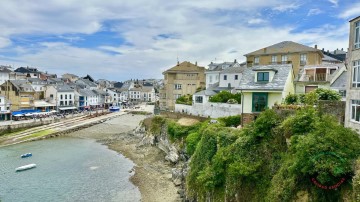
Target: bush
[(231, 121), (225, 96), (185, 100), (191, 142), (232, 101), (327, 94), (291, 99)]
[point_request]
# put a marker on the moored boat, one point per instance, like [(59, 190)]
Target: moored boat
[(26, 155), (25, 167), (114, 108)]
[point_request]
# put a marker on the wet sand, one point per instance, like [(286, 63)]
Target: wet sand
[(152, 172)]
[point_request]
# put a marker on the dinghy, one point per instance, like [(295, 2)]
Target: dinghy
[(26, 155), (26, 167)]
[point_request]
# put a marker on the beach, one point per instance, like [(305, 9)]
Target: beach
[(152, 174)]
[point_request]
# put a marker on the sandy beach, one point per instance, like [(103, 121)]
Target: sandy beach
[(152, 172)]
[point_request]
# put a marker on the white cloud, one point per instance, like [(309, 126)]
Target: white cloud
[(334, 2), (314, 11), (202, 32), (351, 11)]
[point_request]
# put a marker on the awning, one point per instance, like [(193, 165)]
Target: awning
[(42, 103), (65, 108)]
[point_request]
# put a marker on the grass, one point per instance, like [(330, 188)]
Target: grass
[(12, 132), (38, 134)]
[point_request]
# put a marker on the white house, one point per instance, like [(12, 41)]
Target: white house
[(62, 95), (4, 108), (230, 77), (212, 74), (4, 74)]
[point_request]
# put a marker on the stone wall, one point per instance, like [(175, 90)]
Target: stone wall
[(14, 125), (334, 108), (176, 115), (212, 110)]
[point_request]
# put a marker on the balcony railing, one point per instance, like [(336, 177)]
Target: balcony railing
[(319, 77)]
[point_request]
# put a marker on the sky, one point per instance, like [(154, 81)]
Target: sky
[(136, 39)]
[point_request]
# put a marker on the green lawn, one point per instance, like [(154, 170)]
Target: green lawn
[(38, 134)]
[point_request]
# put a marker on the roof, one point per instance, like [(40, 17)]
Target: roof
[(284, 47), (86, 82), (100, 92), (358, 17), (118, 84), (5, 69), (36, 81), (329, 58), (340, 82), (248, 82), (185, 67), (206, 92), (233, 69), (147, 88), (27, 70), (64, 88), (86, 92)]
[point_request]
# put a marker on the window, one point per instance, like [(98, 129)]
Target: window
[(355, 110), (263, 76), (51, 96), (210, 79), (70, 96), (177, 86), (357, 35), (259, 102), (225, 77), (61, 103), (356, 74), (66, 103), (236, 77), (256, 60), (198, 99), (61, 97), (176, 96), (303, 59), (284, 59), (342, 93), (273, 59), (65, 97)]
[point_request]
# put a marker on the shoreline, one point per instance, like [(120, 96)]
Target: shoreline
[(153, 175)]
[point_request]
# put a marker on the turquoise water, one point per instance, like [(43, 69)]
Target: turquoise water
[(68, 169)]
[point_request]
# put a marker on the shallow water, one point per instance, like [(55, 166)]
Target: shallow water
[(68, 169)]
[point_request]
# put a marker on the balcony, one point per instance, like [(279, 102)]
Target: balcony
[(318, 77)]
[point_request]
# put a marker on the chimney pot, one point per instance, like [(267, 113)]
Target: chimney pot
[(178, 63), (342, 49), (235, 61), (315, 46), (264, 50), (196, 63)]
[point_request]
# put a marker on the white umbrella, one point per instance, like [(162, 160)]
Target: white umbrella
[(53, 111), (18, 115)]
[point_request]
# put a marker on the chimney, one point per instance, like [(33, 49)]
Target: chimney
[(196, 63), (264, 50), (323, 49), (327, 50), (315, 46), (178, 63), (235, 61), (342, 49)]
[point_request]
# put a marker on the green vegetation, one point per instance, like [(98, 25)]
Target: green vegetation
[(185, 100), (256, 163), (225, 96), (313, 97), (38, 134), (231, 121)]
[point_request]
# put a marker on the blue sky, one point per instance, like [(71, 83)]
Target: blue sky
[(119, 40)]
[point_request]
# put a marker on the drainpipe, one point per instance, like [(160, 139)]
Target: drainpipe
[(242, 107)]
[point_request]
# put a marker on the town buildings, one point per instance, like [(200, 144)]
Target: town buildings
[(352, 111), (182, 79)]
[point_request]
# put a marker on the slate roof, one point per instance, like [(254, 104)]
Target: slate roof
[(147, 88), (64, 88), (248, 82), (340, 82), (232, 70), (185, 67), (206, 92), (220, 66), (21, 84), (100, 92), (5, 69), (86, 82), (284, 47), (354, 19), (36, 81), (86, 92), (27, 70)]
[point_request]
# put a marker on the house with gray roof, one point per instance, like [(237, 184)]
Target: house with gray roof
[(5, 72), (263, 86), (212, 74), (87, 83), (63, 96)]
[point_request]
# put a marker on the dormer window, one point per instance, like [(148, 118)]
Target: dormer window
[(263, 76)]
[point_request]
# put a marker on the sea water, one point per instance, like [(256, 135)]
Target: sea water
[(68, 169)]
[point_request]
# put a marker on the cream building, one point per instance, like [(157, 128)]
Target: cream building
[(182, 79), (352, 112)]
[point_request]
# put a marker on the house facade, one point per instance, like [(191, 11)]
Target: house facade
[(286, 52), (352, 111), (212, 74), (262, 87), (5, 73), (182, 79), (62, 96)]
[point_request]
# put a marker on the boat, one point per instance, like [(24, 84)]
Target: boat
[(26, 155), (114, 108), (25, 167)]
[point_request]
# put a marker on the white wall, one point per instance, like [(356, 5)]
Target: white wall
[(230, 79), (214, 110)]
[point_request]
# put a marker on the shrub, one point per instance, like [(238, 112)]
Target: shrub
[(327, 94), (231, 120), (191, 142), (232, 101), (225, 96), (291, 99), (311, 98), (185, 100)]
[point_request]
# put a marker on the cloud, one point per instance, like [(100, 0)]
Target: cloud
[(334, 2), (351, 11), (286, 7), (314, 11), (147, 36)]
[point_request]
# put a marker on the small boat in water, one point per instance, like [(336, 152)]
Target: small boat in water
[(26, 155), (114, 108), (26, 167)]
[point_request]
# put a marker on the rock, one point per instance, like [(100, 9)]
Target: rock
[(146, 140), (177, 182), (172, 156), (181, 192)]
